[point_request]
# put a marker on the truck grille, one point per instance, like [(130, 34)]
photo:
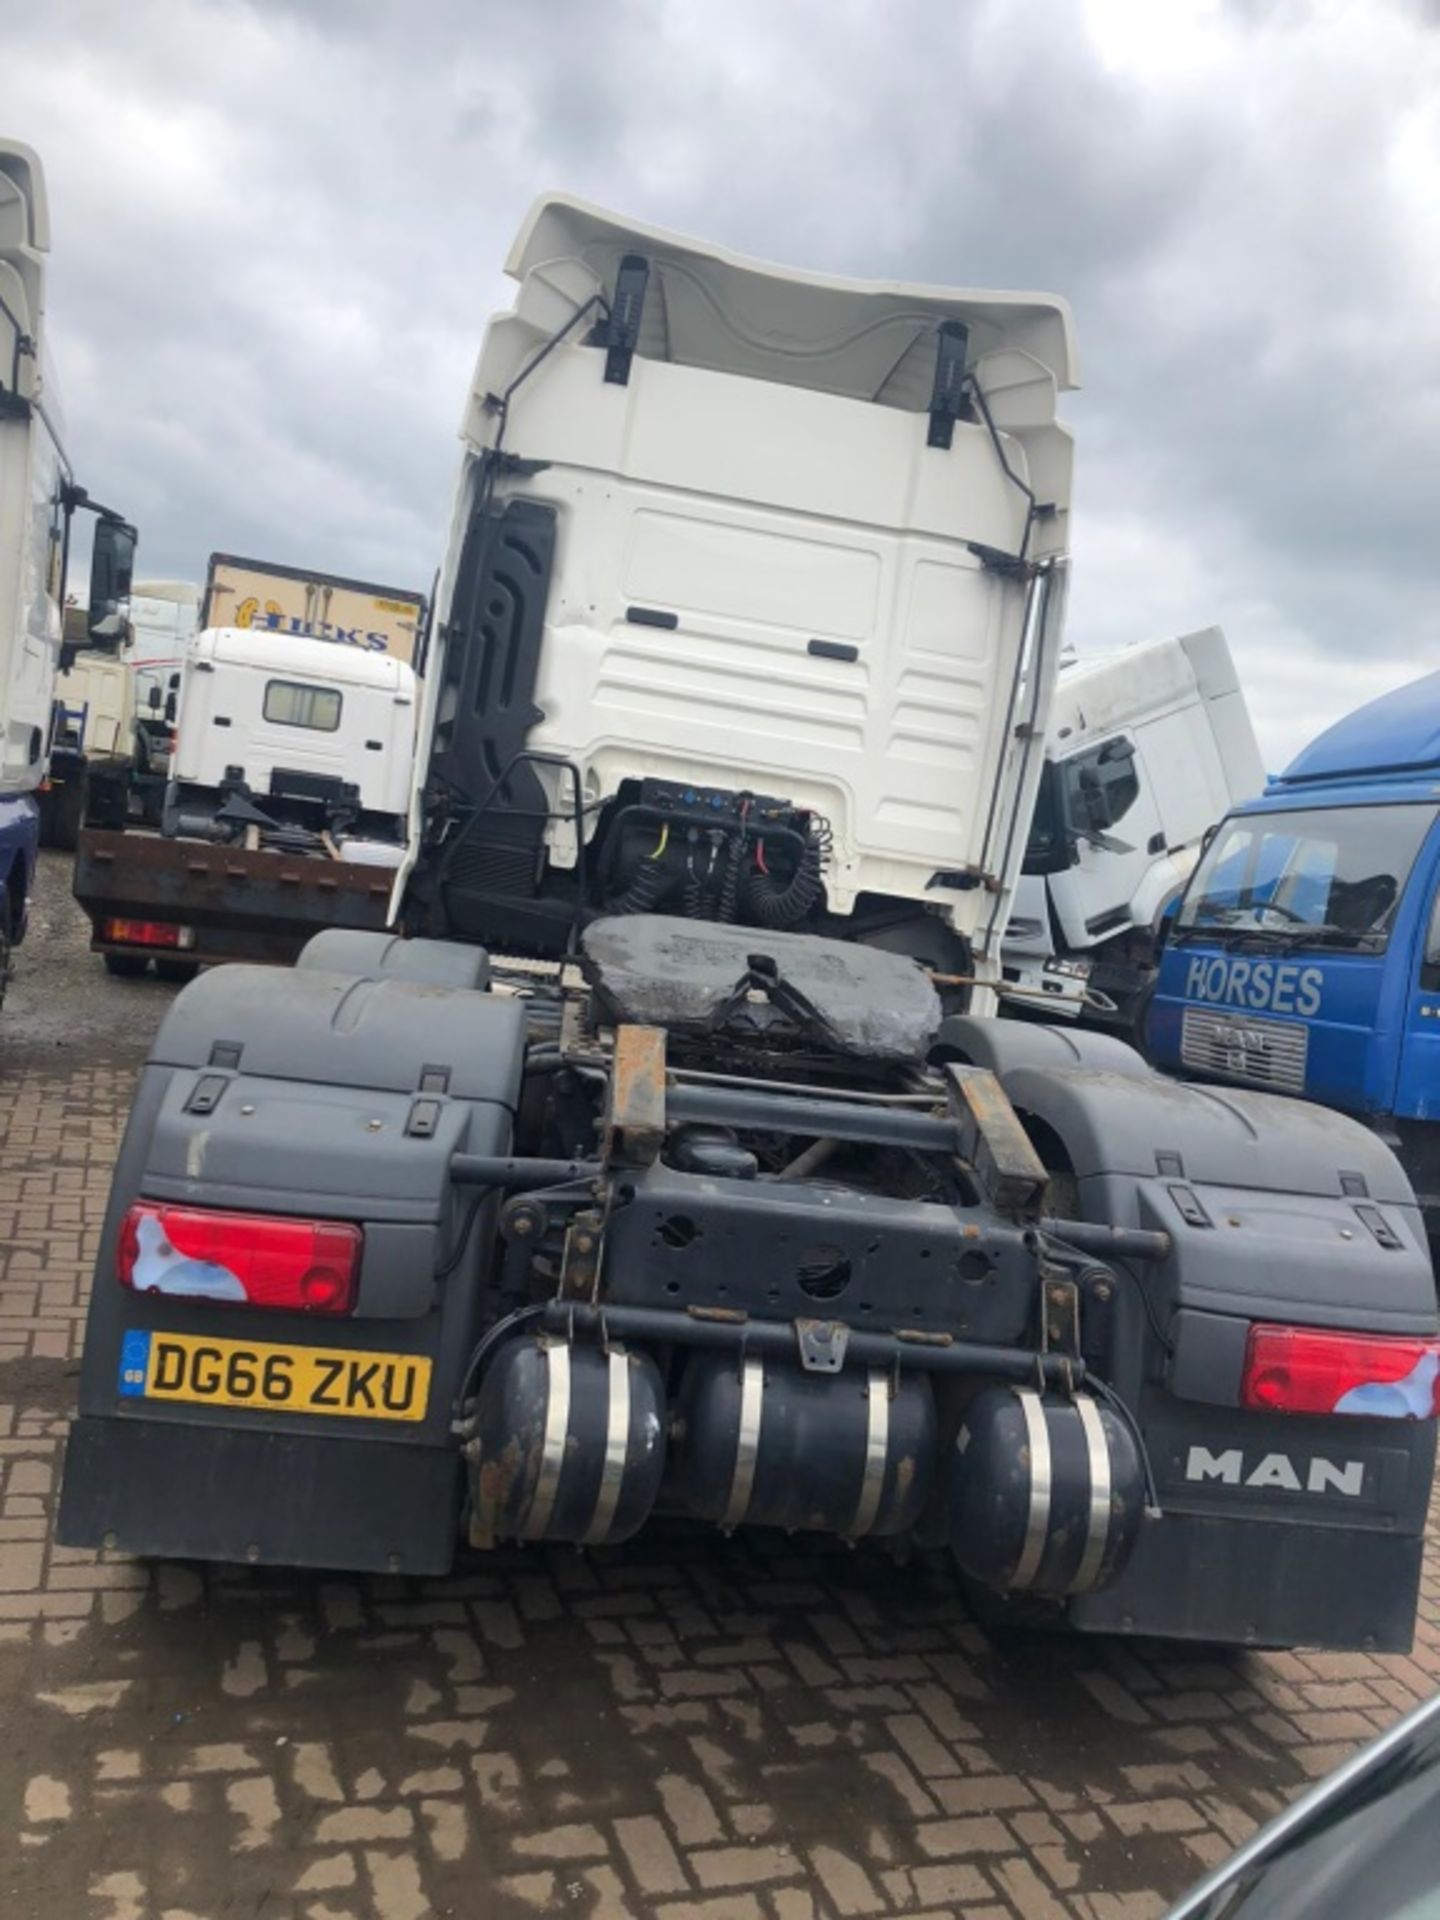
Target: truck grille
[(1237, 1046)]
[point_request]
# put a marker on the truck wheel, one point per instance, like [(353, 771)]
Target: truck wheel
[(125, 966), (178, 972)]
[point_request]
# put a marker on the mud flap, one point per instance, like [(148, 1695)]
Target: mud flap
[(272, 1499), (329, 1097), (1275, 1529)]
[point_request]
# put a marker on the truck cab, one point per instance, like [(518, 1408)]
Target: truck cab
[(92, 735), (1147, 748), (164, 615), (315, 735), (1305, 956)]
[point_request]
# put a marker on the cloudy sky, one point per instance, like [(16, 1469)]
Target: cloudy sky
[(277, 229)]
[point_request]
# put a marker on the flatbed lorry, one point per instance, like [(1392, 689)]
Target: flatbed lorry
[(667, 1160), (285, 808)]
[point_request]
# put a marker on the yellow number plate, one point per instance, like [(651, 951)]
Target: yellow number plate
[(264, 1375)]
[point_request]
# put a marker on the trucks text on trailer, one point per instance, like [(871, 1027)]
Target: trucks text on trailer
[(1147, 748), (322, 606), (735, 713), (1305, 956), (38, 499)]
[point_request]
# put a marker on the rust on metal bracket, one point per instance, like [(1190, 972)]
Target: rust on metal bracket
[(580, 1265), (1061, 1315), (635, 1103), (1011, 1173)]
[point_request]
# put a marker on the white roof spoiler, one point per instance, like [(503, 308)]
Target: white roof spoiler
[(722, 311)]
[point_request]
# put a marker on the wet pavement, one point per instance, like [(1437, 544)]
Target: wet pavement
[(758, 1729)]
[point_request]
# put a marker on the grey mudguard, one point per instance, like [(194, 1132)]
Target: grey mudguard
[(1004, 1045), (1276, 1529), (1276, 1209), (387, 956), (325, 1096)]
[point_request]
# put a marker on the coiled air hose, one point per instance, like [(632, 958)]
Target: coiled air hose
[(771, 905)]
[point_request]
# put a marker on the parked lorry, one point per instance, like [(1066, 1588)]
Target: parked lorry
[(112, 724), (39, 498), (285, 808), (91, 754), (723, 1203), (1305, 955), (1148, 747), (323, 606)]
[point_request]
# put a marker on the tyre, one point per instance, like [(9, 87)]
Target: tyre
[(178, 972), (125, 966)]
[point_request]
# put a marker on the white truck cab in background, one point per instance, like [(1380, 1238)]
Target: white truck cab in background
[(294, 720), (164, 616), (1147, 748)]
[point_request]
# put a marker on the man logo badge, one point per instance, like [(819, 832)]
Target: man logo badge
[(1276, 1470)]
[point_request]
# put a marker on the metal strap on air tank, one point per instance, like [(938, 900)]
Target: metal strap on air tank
[(1037, 1439), (617, 1449), (1098, 1531), (747, 1442), (877, 1449), (552, 1453)]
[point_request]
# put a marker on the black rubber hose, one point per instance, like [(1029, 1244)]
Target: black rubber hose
[(771, 905), (729, 905), (646, 887)]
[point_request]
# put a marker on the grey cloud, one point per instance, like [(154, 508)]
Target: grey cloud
[(279, 229)]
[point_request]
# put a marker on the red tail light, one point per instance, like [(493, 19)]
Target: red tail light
[(1313, 1370), (146, 933), (244, 1259)]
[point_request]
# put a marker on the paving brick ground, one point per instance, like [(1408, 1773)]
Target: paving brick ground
[(690, 1729)]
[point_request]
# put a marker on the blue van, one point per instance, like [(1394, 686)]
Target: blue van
[(1305, 954)]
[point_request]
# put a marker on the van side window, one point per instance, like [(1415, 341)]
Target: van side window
[(1101, 786), (290, 704)]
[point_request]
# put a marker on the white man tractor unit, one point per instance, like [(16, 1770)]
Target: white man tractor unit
[(668, 1160)]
